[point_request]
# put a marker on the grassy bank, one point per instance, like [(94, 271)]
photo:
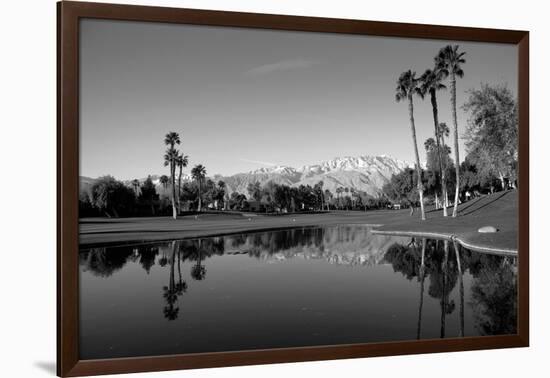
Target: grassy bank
[(499, 210)]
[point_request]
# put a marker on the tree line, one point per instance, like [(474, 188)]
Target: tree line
[(111, 197)]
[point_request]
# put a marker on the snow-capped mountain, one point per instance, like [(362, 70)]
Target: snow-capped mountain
[(364, 173)]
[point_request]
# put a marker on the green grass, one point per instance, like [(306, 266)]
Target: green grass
[(499, 210)]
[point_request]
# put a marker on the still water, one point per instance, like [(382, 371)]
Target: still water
[(291, 288)]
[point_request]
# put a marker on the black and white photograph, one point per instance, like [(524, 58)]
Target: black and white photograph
[(247, 189)]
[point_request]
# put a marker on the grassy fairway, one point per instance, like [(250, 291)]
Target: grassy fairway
[(499, 210)]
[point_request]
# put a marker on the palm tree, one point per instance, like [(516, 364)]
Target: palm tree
[(445, 151), (171, 139), (449, 61), (407, 87), (164, 181), (199, 173), (431, 82), (181, 162), (170, 158), (429, 144)]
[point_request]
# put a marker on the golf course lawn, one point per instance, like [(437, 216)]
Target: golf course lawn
[(498, 210)]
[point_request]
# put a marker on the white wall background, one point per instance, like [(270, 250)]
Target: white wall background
[(28, 168)]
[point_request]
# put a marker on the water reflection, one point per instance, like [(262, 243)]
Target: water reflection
[(456, 292), (493, 288)]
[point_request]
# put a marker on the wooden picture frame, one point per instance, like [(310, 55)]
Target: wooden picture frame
[(69, 14)]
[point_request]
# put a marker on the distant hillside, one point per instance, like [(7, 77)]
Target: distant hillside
[(364, 173)]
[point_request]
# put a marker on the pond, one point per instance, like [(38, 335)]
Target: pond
[(288, 288)]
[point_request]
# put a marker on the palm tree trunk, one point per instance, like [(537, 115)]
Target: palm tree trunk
[(418, 168), (446, 199), (173, 174), (457, 157), (200, 200), (441, 171), (179, 190)]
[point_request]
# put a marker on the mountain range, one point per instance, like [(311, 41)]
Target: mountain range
[(363, 173)]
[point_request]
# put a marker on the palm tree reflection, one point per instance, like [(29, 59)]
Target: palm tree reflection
[(461, 288), (173, 290), (198, 271), (493, 288), (422, 278)]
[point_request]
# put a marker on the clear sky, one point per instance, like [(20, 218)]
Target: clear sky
[(242, 99)]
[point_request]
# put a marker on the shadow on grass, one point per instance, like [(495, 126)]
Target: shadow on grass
[(496, 198), (472, 203)]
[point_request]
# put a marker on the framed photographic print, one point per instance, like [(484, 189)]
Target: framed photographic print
[(240, 188)]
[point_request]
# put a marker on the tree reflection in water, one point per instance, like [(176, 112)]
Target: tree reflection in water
[(173, 290), (493, 298), (494, 283)]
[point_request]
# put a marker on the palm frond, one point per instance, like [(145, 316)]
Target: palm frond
[(172, 138)]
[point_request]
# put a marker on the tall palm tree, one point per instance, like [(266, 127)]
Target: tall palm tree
[(449, 61), (444, 132), (171, 139), (170, 158), (181, 162), (407, 87), (199, 173), (430, 146), (431, 82)]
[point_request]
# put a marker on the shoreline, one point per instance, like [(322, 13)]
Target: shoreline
[(498, 210), (451, 237), (213, 233)]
